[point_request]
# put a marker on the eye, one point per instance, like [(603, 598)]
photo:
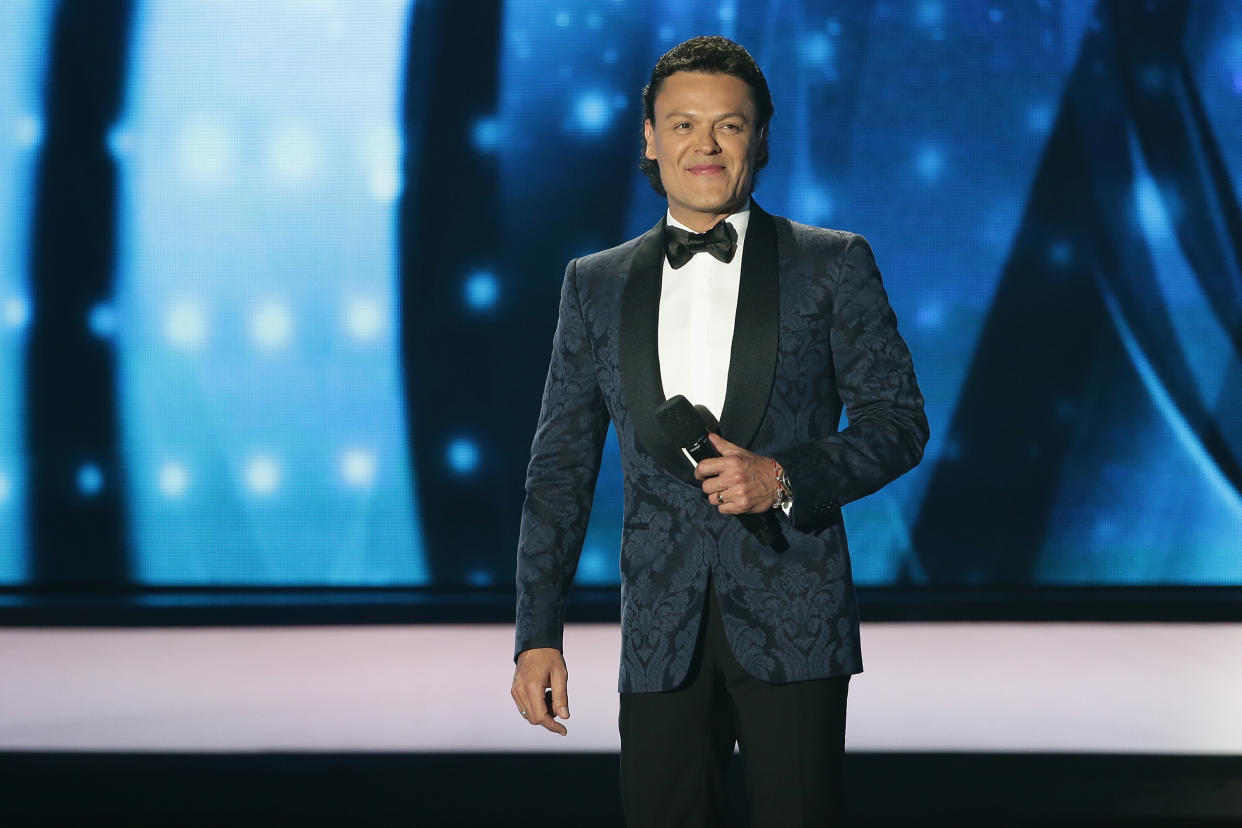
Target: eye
[(731, 127), (683, 126)]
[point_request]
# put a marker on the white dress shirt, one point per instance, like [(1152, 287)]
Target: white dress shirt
[(698, 303), (698, 306)]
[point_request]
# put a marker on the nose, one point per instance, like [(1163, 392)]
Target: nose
[(707, 142)]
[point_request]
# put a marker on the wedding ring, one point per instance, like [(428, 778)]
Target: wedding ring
[(720, 497), (523, 712)]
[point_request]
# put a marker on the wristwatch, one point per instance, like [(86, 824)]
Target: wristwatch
[(784, 491)]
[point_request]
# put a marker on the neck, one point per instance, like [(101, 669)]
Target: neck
[(701, 222)]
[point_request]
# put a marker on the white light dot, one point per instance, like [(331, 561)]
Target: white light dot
[(384, 184), (358, 467), (262, 474), (185, 324), (363, 319), (271, 324), (16, 311), (27, 131), (206, 151), (294, 154), (174, 479), (380, 154)]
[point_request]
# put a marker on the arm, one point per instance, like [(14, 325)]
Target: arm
[(560, 486), (875, 379)]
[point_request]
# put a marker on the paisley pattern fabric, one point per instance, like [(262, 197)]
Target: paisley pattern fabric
[(789, 609)]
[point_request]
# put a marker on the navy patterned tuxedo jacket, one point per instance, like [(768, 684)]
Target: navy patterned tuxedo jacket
[(814, 331)]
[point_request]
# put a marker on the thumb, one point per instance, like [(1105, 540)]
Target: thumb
[(722, 445), (560, 696)]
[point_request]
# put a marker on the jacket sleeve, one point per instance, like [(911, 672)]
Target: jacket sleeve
[(875, 379), (560, 480)]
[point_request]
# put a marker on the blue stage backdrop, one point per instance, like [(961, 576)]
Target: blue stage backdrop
[(278, 280)]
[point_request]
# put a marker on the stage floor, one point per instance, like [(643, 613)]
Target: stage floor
[(1124, 688)]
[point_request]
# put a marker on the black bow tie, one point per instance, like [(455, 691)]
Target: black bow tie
[(681, 245)]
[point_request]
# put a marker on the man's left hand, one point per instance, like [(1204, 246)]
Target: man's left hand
[(738, 481)]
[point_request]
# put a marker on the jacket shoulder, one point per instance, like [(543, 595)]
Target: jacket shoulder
[(608, 260), (823, 240)]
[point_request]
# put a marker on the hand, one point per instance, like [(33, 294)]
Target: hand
[(744, 481), (541, 671)]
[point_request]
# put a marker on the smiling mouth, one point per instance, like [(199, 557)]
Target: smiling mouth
[(705, 169)]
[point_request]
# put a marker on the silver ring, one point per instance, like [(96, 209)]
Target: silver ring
[(523, 712), (720, 497)]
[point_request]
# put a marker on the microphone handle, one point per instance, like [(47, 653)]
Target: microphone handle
[(756, 524)]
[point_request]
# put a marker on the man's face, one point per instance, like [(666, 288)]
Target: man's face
[(706, 142)]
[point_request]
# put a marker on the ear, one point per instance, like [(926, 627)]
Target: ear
[(648, 136), (761, 156)]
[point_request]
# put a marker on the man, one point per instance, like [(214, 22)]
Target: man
[(771, 326)]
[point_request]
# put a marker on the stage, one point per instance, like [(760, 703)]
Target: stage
[(1120, 723)]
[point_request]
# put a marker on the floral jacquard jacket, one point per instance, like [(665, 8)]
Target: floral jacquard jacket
[(814, 334)]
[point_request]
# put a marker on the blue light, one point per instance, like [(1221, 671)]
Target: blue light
[(816, 48), (1039, 117), (1152, 216), (463, 455), (815, 204), (102, 320), (1059, 253), (482, 290), (996, 15), (930, 316), (597, 566), (592, 112), (930, 12), (480, 578), (486, 134), (90, 480), (929, 163)]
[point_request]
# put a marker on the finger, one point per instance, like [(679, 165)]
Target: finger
[(558, 701), (722, 445), (710, 467), (532, 702), (545, 718)]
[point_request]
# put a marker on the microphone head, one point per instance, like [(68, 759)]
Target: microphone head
[(681, 422)]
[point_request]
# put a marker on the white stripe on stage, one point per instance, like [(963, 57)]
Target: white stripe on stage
[(988, 687)]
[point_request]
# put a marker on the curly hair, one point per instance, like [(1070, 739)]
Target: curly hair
[(715, 55)]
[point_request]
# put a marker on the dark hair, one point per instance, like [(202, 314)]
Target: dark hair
[(712, 55)]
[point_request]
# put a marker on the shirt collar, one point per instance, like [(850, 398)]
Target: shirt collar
[(740, 221)]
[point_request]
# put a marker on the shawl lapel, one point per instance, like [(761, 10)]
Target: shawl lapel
[(752, 360)]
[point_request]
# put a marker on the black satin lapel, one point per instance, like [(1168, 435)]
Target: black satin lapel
[(752, 360), (640, 353)]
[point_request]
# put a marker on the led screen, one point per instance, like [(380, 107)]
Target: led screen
[(278, 280)]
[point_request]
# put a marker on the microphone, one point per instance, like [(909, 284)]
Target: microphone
[(683, 424)]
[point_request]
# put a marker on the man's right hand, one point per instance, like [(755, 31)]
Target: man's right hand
[(539, 670)]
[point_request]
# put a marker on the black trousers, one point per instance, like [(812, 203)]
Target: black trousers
[(676, 746)]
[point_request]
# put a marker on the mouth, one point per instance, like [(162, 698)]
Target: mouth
[(705, 169)]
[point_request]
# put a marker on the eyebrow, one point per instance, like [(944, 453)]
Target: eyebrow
[(696, 115)]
